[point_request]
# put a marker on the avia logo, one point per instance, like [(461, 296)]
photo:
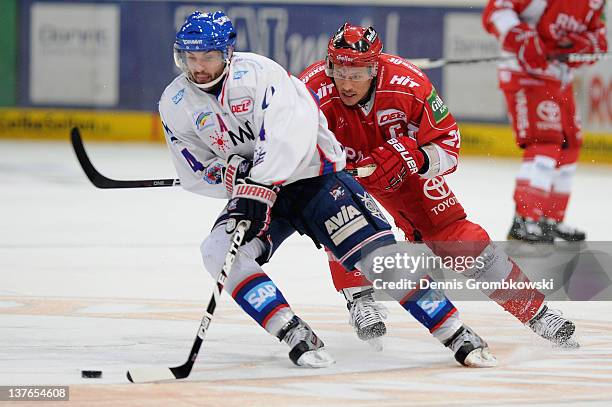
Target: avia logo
[(389, 116), (346, 222), (261, 295), (241, 106), (265, 103)]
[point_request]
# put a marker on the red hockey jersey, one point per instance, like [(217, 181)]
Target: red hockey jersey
[(404, 103)]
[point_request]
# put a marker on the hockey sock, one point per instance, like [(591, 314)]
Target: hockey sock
[(562, 184)]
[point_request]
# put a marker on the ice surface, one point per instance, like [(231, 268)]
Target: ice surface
[(112, 279)]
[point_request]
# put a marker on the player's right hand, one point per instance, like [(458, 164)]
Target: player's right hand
[(525, 42), (236, 170), (250, 202)]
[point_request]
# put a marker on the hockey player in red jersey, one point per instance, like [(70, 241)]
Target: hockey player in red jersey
[(539, 96), (387, 114)]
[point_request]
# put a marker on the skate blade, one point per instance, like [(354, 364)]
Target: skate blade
[(317, 359), (376, 344), (571, 343), (480, 358)]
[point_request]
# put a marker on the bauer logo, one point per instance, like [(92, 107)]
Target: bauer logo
[(261, 295)]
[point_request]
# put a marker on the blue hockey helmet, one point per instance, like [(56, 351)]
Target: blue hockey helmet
[(204, 32)]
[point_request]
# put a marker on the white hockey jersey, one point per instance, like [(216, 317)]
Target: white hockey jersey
[(262, 113)]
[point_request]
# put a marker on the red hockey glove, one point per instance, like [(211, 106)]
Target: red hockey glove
[(395, 161), (584, 43), (527, 45), (250, 202)]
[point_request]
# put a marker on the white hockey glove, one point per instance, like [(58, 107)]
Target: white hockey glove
[(236, 170)]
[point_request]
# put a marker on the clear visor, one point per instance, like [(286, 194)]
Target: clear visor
[(350, 73), (201, 67)]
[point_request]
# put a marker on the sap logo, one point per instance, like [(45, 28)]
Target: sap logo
[(241, 106), (261, 295), (404, 80), (239, 74), (389, 116), (313, 73), (346, 222), (178, 97), (432, 302), (324, 90), (406, 155), (204, 120)]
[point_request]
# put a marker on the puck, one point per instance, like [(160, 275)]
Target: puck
[(91, 374)]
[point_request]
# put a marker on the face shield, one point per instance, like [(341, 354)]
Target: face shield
[(203, 68), (350, 72)]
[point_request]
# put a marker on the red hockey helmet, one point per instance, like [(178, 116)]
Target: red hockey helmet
[(353, 46)]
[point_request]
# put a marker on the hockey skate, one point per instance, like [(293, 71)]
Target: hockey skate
[(529, 230), (306, 348), (470, 349), (366, 316), (551, 325), (563, 231)]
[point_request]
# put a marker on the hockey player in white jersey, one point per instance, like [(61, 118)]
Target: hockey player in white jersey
[(240, 127)]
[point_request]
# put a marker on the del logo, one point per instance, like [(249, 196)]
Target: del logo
[(344, 224), (440, 111), (261, 295), (203, 120), (241, 106), (389, 116)]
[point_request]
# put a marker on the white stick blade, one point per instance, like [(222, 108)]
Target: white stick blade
[(150, 374)]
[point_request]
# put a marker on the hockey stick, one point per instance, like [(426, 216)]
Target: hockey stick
[(431, 63), (103, 182), (155, 374)]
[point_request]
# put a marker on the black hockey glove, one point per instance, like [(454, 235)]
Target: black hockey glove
[(236, 170), (250, 202)]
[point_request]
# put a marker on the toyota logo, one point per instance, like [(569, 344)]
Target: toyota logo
[(436, 189), (549, 111)]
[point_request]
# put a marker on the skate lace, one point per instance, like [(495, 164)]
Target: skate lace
[(300, 333), (532, 227), (365, 312), (548, 325), (466, 336)]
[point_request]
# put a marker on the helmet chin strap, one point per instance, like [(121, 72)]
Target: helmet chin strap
[(209, 85)]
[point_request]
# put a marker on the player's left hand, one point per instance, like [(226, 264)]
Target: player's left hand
[(250, 202), (581, 43), (395, 161)]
